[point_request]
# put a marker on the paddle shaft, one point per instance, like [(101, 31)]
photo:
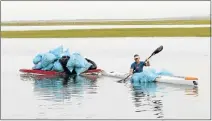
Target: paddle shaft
[(148, 58)]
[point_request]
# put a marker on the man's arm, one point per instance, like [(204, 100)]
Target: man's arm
[(131, 69)]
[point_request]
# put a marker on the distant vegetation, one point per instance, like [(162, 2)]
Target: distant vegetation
[(121, 32), (139, 22), (124, 32)]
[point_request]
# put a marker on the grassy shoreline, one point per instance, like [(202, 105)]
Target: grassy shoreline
[(139, 22), (134, 32)]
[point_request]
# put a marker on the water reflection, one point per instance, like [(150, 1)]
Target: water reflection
[(61, 89), (182, 89), (144, 98), (148, 97)]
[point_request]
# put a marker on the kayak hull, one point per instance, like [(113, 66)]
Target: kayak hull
[(55, 73), (163, 79), (177, 80)]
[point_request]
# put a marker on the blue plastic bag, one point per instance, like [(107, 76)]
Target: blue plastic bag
[(148, 75), (66, 53), (81, 70), (57, 66), (49, 67), (57, 51), (143, 77), (76, 60), (37, 59), (78, 63), (164, 72), (47, 59), (37, 66)]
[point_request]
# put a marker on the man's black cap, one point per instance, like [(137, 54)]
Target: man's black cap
[(136, 55)]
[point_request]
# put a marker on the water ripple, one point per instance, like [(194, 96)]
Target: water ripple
[(148, 97), (61, 89)]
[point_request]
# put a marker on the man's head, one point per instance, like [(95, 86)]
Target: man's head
[(136, 58)]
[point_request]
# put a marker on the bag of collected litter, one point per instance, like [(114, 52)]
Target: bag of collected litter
[(81, 70), (65, 53), (164, 72), (37, 58), (148, 75), (143, 77), (48, 68), (57, 51), (57, 66), (47, 59), (37, 66), (78, 62)]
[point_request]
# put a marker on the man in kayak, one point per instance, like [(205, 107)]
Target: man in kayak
[(64, 60), (137, 66)]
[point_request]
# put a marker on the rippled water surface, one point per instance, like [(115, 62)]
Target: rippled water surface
[(29, 97)]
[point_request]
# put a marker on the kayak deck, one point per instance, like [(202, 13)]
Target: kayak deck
[(163, 79)]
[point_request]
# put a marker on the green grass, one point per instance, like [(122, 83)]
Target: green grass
[(134, 32), (50, 23)]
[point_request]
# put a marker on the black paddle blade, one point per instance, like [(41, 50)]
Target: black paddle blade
[(158, 50)]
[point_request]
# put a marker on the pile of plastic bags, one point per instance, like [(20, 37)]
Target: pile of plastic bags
[(149, 75), (50, 61)]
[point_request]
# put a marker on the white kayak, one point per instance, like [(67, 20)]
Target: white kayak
[(164, 79)]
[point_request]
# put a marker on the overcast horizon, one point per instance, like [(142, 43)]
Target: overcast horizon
[(105, 10)]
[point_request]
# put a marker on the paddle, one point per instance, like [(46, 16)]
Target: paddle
[(155, 52)]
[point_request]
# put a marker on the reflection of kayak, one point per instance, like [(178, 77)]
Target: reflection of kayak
[(55, 73), (165, 79), (40, 77), (58, 88)]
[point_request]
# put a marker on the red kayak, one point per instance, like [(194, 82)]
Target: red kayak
[(54, 73)]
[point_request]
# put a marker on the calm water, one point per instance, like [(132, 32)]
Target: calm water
[(102, 98)]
